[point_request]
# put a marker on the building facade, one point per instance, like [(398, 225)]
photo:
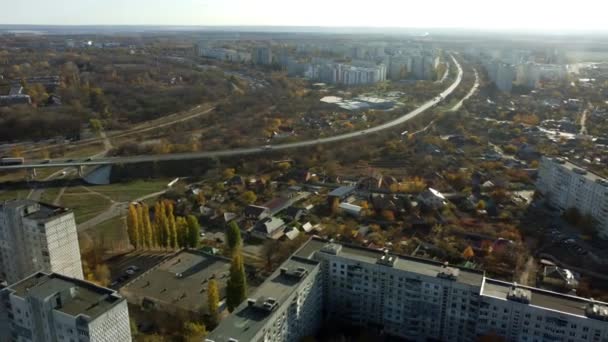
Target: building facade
[(566, 185), (37, 237), (287, 307), (52, 307), (414, 299), (262, 55)]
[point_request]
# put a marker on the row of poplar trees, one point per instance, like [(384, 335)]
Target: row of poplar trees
[(165, 231), (236, 287)]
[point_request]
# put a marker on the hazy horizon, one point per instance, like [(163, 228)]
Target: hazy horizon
[(516, 15)]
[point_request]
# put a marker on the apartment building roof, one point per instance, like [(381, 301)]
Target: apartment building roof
[(406, 263), (39, 211), (581, 171), (542, 298), (181, 281), (72, 296), (249, 317)]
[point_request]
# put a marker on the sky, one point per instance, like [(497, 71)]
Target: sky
[(547, 15)]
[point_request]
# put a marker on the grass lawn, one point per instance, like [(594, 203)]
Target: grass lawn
[(49, 195), (13, 194), (85, 205), (124, 192), (112, 234)]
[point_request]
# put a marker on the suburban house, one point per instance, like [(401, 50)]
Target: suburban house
[(351, 209), (341, 193), (256, 212), (432, 198), (277, 204), (269, 228), (293, 213)]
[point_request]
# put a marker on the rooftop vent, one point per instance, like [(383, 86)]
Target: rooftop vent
[(263, 304), (579, 171), (520, 295), (297, 273), (446, 272), (602, 182), (386, 259), (331, 248), (596, 310)]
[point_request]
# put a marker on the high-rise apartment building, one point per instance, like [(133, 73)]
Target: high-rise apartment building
[(52, 307), (406, 297), (262, 55), (566, 185), (37, 237), (286, 307)]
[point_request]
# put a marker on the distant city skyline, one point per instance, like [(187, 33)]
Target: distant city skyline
[(543, 15)]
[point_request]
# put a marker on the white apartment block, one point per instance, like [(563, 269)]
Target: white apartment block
[(410, 298), (566, 185), (286, 307), (53, 307), (37, 237)]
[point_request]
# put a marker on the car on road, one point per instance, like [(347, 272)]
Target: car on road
[(114, 283), (88, 159), (268, 147), (46, 161), (69, 160)]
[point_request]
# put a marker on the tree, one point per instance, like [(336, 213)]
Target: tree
[(213, 301), (96, 125), (149, 240), (102, 274), (334, 205), (171, 226), (233, 237), (236, 287), (194, 331), (159, 214), (388, 215), (228, 173), (182, 232), (269, 252), (132, 225), (468, 253), (249, 197), (193, 231)]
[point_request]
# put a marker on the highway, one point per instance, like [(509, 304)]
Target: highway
[(248, 150)]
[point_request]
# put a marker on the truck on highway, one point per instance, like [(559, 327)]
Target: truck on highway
[(5, 161)]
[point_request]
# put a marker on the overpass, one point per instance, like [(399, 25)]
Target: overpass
[(35, 164)]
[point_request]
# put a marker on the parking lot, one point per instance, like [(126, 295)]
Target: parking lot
[(128, 266)]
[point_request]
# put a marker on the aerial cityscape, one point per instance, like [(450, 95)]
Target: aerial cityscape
[(259, 172)]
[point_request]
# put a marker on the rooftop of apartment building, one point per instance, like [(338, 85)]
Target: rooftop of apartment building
[(580, 170), (36, 210), (489, 287), (406, 263), (545, 299), (181, 281), (252, 315), (75, 297)]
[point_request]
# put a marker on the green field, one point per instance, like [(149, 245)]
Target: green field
[(124, 192), (85, 205)]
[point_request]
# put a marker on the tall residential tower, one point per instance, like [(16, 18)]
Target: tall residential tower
[(37, 237)]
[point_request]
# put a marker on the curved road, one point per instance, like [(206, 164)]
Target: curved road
[(251, 150)]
